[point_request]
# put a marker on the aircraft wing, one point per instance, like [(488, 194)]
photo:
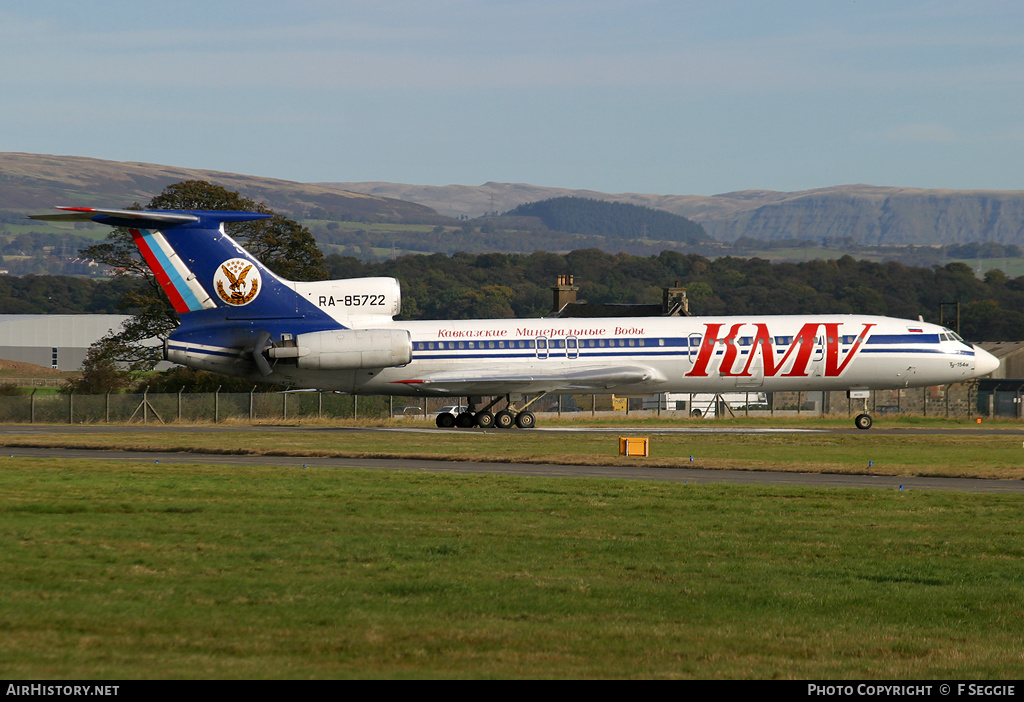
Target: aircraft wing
[(496, 383)]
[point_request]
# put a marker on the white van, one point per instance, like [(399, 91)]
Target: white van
[(706, 404), (452, 409)]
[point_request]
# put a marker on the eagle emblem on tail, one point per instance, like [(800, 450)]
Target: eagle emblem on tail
[(234, 284)]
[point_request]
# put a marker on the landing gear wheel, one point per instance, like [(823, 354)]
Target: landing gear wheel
[(525, 420), (464, 420), (504, 419), (484, 420), (863, 421), (445, 420)]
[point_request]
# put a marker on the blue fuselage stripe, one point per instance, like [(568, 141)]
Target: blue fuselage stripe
[(672, 348)]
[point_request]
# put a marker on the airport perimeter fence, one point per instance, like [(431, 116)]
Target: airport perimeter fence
[(164, 408), (955, 401)]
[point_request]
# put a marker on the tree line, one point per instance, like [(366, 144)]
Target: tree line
[(465, 286)]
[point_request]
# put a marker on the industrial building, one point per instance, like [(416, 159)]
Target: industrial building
[(1002, 393), (58, 341)]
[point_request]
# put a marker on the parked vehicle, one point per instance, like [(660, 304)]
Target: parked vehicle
[(706, 404), (452, 409)]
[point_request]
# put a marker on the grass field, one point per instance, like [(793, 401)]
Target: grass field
[(977, 455), (121, 571)]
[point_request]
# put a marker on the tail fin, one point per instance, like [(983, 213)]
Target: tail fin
[(235, 313), (196, 263), (200, 268)]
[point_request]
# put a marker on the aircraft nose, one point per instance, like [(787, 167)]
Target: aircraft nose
[(984, 362)]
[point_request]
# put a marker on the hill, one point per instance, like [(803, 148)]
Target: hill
[(378, 220), (364, 225), (616, 220), (30, 183), (856, 214)]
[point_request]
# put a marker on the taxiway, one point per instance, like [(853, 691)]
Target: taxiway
[(669, 474)]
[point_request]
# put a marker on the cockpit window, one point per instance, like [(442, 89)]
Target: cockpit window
[(950, 335)]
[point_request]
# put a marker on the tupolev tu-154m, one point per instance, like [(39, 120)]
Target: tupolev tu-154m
[(240, 319)]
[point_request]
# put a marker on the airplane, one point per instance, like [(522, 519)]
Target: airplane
[(240, 319)]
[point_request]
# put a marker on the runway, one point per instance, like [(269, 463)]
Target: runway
[(665, 474), (710, 428)]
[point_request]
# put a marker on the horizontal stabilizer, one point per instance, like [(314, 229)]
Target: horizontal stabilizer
[(148, 219), (128, 218)]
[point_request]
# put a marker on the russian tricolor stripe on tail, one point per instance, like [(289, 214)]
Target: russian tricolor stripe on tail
[(177, 281)]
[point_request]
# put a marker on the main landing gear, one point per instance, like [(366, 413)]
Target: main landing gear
[(485, 419)]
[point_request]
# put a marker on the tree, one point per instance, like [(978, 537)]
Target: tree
[(281, 244), (100, 373), (489, 302), (284, 246)]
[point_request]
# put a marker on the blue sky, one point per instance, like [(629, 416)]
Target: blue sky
[(618, 96)]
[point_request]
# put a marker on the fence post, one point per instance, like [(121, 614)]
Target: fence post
[(355, 407), (32, 406), (106, 408), (71, 407), (284, 405), (216, 405), (179, 402), (145, 405), (251, 401), (319, 404)]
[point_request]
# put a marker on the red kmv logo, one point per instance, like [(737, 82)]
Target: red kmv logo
[(807, 346)]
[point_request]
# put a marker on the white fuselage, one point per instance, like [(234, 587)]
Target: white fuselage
[(683, 354)]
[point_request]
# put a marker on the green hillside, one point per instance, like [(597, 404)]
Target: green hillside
[(372, 227), (615, 220), (367, 226)]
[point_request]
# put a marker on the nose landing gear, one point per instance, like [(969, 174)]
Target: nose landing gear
[(862, 421)]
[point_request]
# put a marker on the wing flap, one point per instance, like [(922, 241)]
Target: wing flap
[(490, 383)]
